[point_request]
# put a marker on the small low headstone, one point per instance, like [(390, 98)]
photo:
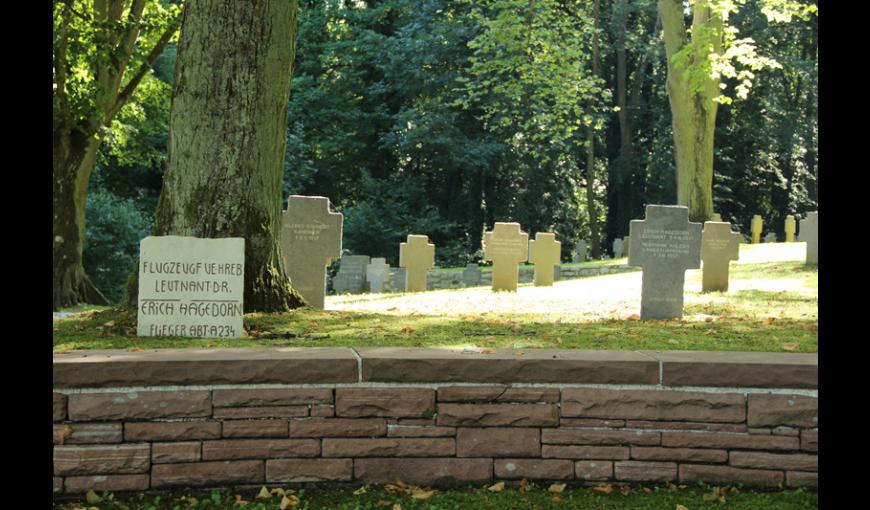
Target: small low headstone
[(310, 239), (716, 217), (790, 227), (626, 244), (506, 246), (719, 246), (471, 275), (664, 244), (376, 273), (191, 287), (756, 229), (580, 251), (351, 276), (618, 247), (544, 253), (809, 234), (770, 237), (416, 255), (399, 276)]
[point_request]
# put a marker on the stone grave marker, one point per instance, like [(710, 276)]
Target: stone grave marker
[(471, 275), (664, 244), (310, 240), (416, 255), (626, 244), (618, 247), (544, 252), (719, 246), (191, 287), (809, 234), (756, 229), (790, 227), (377, 273), (506, 246), (770, 237), (351, 276), (398, 277), (580, 251), (716, 217)]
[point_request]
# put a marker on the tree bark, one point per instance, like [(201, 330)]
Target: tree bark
[(595, 234), (227, 136)]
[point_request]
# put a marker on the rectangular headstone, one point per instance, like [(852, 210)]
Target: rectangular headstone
[(471, 275), (580, 251), (351, 276), (191, 287), (377, 273), (809, 233), (617, 248)]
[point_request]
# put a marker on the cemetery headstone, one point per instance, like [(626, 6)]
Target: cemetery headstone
[(376, 273), (399, 276), (351, 276), (506, 246), (618, 247), (664, 244), (626, 244), (191, 287), (544, 253), (756, 229), (809, 233), (770, 237), (719, 246), (580, 251), (790, 227), (471, 275), (310, 239), (716, 217), (416, 255)]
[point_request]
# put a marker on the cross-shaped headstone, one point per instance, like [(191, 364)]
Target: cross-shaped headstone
[(376, 273), (810, 235), (310, 237), (664, 244), (790, 227), (618, 247), (506, 246), (580, 251), (544, 252), (755, 228), (417, 256), (719, 246)]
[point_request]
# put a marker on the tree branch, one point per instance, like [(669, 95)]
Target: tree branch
[(60, 65)]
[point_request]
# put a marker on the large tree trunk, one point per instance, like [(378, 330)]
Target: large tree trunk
[(227, 136)]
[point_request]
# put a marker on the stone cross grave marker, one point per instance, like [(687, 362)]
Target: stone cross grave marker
[(506, 246), (719, 246), (376, 274), (790, 227), (351, 276), (191, 287), (580, 251), (716, 217), (310, 239), (756, 229), (471, 275), (664, 244), (810, 235), (544, 252), (618, 247), (416, 255)]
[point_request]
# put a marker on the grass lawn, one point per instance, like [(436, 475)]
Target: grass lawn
[(395, 497), (770, 306)]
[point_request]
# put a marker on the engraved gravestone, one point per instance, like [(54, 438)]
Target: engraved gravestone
[(351, 276), (617, 248), (544, 253), (770, 237), (376, 274), (626, 244), (416, 255), (506, 246), (191, 287), (398, 277), (664, 244), (809, 233), (310, 239), (719, 246), (755, 228), (471, 275), (790, 226), (580, 251)]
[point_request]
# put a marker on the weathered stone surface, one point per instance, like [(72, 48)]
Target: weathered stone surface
[(416, 431), (170, 367), (207, 474), (679, 454), (428, 472), (271, 397), (471, 275), (809, 234), (690, 473), (165, 453), (498, 442), (377, 273), (57, 485), (786, 431), (172, 431), (139, 405), (591, 422), (506, 245), (544, 252), (309, 470), (683, 425), (321, 411), (719, 246), (585, 452), (755, 228), (599, 437), (493, 415), (784, 461), (743, 441), (810, 440), (739, 369), (391, 364), (256, 428), (338, 427), (534, 469), (790, 410), (112, 483), (389, 447), (653, 405), (101, 459), (416, 255), (593, 470), (351, 276), (618, 248), (394, 402), (259, 449), (634, 471), (799, 479), (87, 433), (261, 412), (497, 394), (59, 402), (790, 228)]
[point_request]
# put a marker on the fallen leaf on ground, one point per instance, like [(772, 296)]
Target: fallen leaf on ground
[(604, 489), (498, 487), (288, 501), (361, 490), (423, 494), (383, 502), (278, 491), (556, 498), (408, 329), (681, 507), (397, 506), (625, 490), (264, 493), (92, 498), (789, 346), (556, 488), (62, 433)]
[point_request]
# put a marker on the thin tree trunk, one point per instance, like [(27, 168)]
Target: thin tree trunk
[(595, 235)]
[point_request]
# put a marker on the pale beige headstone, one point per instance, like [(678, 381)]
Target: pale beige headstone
[(417, 255), (716, 217), (544, 252), (810, 235), (719, 246), (505, 246), (790, 228), (756, 229)]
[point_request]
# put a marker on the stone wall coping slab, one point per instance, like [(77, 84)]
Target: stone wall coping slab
[(738, 369)]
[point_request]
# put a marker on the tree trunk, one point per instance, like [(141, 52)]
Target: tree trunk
[(227, 136), (595, 235)]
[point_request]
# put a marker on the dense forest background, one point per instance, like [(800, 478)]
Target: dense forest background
[(441, 117)]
